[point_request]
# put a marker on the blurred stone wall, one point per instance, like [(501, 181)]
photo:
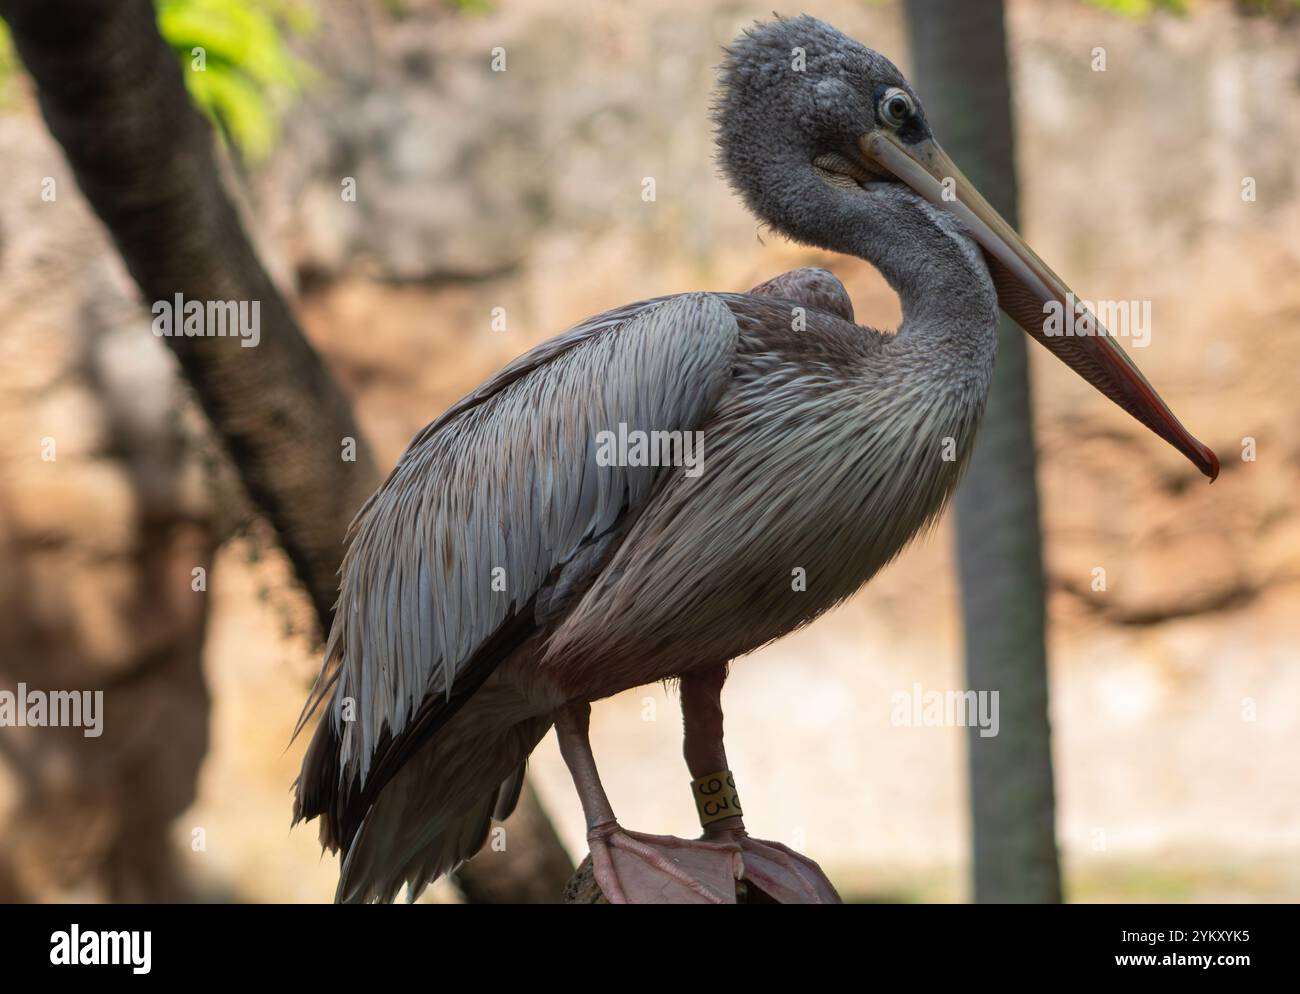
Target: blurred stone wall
[(105, 511)]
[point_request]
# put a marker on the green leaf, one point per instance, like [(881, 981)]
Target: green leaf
[(1142, 8), (238, 68)]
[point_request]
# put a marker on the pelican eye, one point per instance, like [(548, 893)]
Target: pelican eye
[(896, 107)]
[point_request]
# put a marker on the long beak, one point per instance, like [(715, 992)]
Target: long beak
[(1026, 286)]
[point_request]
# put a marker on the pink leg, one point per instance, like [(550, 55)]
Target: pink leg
[(781, 873), (632, 868)]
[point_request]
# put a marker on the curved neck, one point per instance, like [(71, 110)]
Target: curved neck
[(950, 308)]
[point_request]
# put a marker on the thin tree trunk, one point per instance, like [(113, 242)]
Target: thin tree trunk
[(961, 73), (523, 870), (112, 94)]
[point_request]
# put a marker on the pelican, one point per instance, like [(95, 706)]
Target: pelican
[(515, 567)]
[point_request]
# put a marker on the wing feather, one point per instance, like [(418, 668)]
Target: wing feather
[(507, 479)]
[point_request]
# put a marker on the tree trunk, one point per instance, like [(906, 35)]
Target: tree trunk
[(961, 73), (112, 94), (524, 870)]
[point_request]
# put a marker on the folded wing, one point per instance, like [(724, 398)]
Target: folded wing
[(448, 557)]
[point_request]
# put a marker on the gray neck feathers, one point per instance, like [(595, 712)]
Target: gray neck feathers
[(950, 308)]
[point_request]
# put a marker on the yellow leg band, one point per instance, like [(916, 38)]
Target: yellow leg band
[(716, 797)]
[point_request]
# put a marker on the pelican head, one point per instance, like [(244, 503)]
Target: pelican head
[(827, 142)]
